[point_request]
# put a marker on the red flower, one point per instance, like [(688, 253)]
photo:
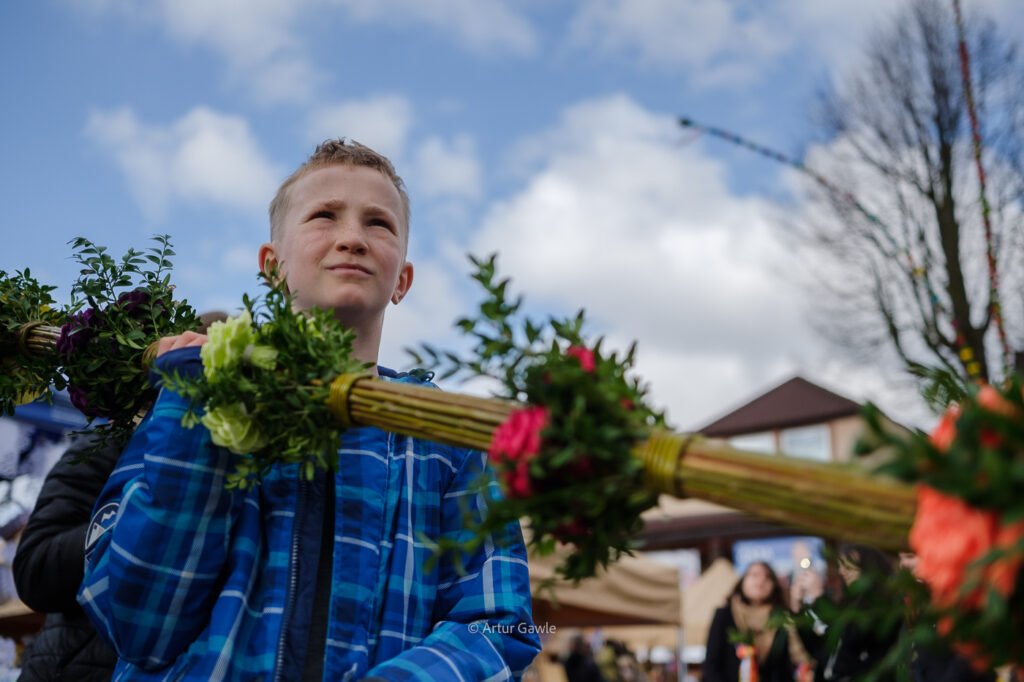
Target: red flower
[(947, 536), (582, 467), (519, 436), (584, 355), (944, 434), (969, 650), (566, 532)]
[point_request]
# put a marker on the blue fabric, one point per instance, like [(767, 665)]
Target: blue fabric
[(190, 581)]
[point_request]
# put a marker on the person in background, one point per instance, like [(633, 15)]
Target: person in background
[(858, 649), (580, 665), (49, 564), (746, 617), (939, 664)]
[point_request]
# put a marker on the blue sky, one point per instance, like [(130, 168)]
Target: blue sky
[(543, 129)]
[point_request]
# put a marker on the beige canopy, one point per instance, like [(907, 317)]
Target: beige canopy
[(706, 594), (633, 591)]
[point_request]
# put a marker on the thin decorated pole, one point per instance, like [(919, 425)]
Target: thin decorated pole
[(995, 309), (970, 364), (834, 190)]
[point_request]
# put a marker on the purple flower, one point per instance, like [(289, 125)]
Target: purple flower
[(77, 332), (131, 300), (80, 402)]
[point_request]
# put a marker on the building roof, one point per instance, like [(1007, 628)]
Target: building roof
[(796, 402)]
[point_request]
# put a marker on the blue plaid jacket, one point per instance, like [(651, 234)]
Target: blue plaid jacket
[(190, 581)]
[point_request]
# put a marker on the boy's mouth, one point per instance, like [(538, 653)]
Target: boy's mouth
[(349, 267)]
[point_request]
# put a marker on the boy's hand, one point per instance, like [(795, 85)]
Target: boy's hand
[(169, 343)]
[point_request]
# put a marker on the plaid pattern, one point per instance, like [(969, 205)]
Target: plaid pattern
[(190, 581)]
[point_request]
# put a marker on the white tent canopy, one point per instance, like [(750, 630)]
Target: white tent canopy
[(633, 591)]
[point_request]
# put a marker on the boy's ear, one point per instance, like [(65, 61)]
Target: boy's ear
[(404, 283), (268, 258)]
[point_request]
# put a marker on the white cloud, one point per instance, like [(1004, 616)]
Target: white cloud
[(484, 26), (725, 43), (709, 36), (379, 121), (261, 41), (621, 220), (448, 169), (205, 157)]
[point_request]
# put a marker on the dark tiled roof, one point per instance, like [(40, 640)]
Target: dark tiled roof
[(795, 403)]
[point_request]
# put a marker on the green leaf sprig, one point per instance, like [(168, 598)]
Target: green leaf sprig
[(118, 307), (266, 382), (582, 487), (24, 376)]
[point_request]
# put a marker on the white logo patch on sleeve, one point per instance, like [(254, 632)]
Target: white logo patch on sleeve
[(102, 521)]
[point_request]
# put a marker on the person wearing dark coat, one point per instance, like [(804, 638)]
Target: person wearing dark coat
[(49, 566), (756, 597), (580, 665), (858, 650), (939, 663), (50, 563)]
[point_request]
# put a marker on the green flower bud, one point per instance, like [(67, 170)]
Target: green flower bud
[(263, 357), (227, 344), (231, 427)]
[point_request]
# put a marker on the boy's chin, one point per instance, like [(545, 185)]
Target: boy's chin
[(349, 312)]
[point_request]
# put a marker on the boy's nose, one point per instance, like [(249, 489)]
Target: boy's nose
[(349, 238)]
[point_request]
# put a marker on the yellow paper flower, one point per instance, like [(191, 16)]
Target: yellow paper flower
[(231, 427), (227, 344)]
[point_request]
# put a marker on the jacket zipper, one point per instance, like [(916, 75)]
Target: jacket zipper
[(293, 577)]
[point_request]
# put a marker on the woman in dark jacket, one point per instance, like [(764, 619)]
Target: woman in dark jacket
[(48, 569), (756, 597)]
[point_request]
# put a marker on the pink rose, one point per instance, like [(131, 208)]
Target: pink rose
[(517, 480), (584, 355), (519, 436), (516, 442)]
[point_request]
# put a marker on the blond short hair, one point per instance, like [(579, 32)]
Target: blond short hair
[(336, 152)]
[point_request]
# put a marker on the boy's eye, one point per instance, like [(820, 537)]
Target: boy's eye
[(324, 213), (381, 222)]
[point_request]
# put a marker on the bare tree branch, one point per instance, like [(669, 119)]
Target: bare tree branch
[(910, 275)]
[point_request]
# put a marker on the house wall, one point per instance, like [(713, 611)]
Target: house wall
[(845, 432)]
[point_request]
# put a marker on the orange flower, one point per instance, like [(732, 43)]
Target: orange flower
[(969, 650), (992, 400), (947, 536), (943, 435), (973, 653), (1002, 574)]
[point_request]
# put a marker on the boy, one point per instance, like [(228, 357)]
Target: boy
[(191, 581)]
